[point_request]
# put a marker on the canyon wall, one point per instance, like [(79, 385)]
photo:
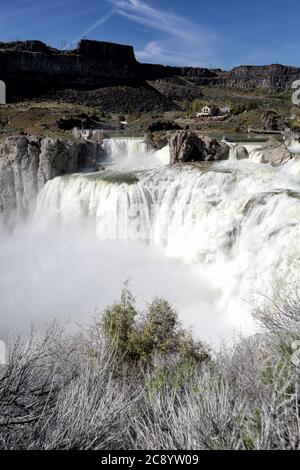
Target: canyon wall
[(27, 163), (108, 75), (31, 68), (272, 78)]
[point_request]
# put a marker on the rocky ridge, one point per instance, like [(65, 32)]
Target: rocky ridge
[(107, 74)]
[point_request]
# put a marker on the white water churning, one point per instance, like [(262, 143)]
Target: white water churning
[(238, 220), (225, 233)]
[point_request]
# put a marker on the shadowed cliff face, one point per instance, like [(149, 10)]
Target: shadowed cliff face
[(31, 69), (112, 74)]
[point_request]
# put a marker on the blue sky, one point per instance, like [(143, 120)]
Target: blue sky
[(218, 33)]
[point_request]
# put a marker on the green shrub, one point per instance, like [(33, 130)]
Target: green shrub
[(140, 337)]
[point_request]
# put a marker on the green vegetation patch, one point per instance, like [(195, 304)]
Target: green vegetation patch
[(117, 177)]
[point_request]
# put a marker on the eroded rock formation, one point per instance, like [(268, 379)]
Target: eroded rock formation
[(27, 163), (186, 146)]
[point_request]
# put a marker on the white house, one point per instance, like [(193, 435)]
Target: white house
[(2, 92), (208, 111)]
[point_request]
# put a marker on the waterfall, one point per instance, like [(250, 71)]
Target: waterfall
[(243, 225), (214, 235), (253, 149), (134, 153), (294, 147)]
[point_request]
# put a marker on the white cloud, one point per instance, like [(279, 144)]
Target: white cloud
[(176, 40)]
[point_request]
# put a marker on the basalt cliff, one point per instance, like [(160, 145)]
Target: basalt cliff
[(106, 74)]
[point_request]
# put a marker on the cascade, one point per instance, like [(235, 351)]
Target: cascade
[(231, 228)]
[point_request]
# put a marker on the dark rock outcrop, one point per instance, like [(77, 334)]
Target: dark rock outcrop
[(271, 78), (32, 69), (108, 75), (107, 52), (140, 98), (67, 123), (186, 146)]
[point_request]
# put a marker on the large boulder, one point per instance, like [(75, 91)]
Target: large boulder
[(241, 152), (275, 154), (213, 150), (186, 146)]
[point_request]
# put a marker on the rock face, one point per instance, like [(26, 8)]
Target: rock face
[(276, 154), (273, 77), (27, 163), (186, 146), (108, 75), (32, 69)]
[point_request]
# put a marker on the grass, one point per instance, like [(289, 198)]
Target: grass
[(117, 177), (40, 117)]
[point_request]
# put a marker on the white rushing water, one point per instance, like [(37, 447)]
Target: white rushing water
[(211, 237), (133, 152), (253, 149)]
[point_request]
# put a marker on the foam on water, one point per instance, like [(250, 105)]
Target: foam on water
[(134, 153)]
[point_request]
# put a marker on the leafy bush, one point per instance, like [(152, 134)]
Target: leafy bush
[(139, 338)]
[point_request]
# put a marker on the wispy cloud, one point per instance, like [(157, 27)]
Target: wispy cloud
[(176, 40), (103, 19)]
